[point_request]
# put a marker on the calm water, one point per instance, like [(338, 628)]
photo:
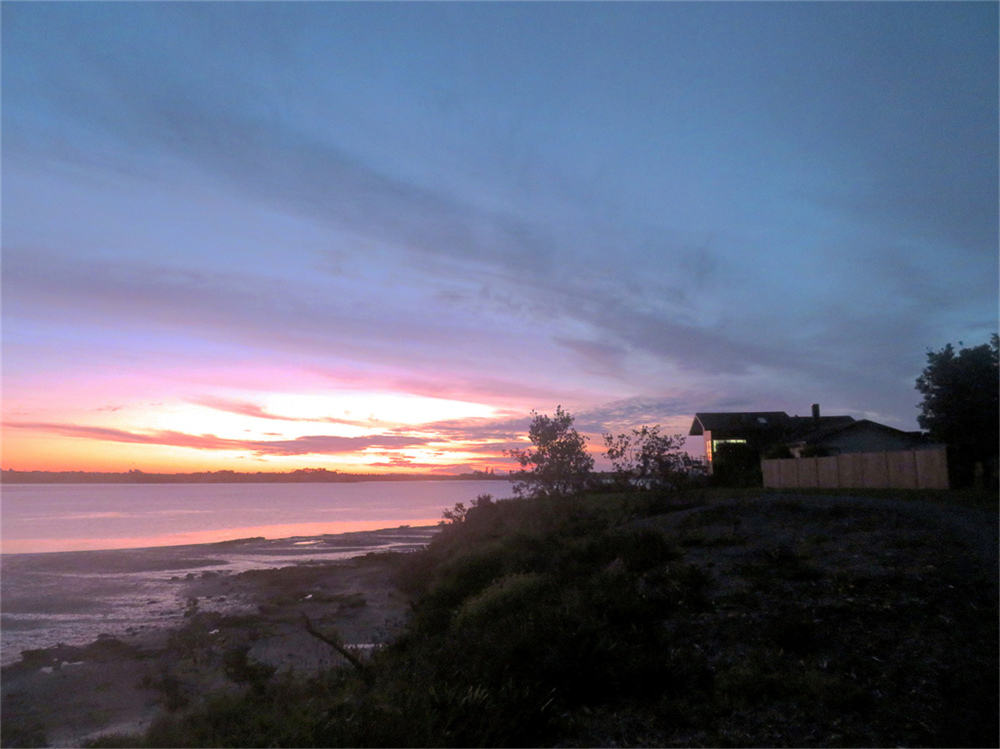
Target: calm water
[(91, 570), (76, 517)]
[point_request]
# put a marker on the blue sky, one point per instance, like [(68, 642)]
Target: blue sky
[(635, 210)]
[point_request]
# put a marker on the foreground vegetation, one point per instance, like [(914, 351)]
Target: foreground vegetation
[(653, 619)]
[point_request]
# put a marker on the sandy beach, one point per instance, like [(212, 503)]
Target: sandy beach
[(243, 613)]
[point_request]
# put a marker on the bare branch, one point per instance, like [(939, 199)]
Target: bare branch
[(334, 643)]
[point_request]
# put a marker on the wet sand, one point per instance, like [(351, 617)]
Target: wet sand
[(243, 611)]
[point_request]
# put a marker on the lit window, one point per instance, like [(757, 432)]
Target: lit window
[(715, 445)]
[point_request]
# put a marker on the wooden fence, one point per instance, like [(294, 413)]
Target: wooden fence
[(905, 469)]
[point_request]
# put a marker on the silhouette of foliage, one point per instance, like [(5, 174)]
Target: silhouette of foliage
[(559, 465), (459, 512), (961, 407), (648, 459)]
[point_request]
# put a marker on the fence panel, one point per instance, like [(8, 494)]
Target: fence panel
[(932, 469), (827, 473), (807, 473), (789, 474), (772, 473), (874, 470), (904, 469), (849, 471)]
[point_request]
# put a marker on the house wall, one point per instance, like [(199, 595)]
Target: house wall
[(899, 469)]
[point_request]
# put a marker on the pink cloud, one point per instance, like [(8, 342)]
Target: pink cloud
[(307, 445), (247, 408)]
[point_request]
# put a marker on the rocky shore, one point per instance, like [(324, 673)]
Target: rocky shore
[(236, 626)]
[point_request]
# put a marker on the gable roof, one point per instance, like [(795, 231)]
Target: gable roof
[(770, 423), (806, 427), (745, 421), (824, 432)]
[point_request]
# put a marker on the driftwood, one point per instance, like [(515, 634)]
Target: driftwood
[(334, 643)]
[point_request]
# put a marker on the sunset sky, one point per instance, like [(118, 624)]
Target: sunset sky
[(370, 237)]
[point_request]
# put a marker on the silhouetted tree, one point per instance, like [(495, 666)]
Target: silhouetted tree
[(649, 459), (961, 407), (559, 465)]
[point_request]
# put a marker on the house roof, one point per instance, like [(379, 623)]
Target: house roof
[(776, 423), (745, 421), (806, 427), (825, 432)]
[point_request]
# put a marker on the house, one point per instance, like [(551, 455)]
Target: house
[(757, 430), (755, 433), (862, 436)]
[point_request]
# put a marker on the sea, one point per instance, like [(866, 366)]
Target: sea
[(83, 560)]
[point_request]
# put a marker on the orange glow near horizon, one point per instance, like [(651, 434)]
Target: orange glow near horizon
[(349, 431)]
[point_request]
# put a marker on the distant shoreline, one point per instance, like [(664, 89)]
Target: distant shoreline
[(302, 476)]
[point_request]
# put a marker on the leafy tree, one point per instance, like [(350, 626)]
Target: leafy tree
[(650, 459), (559, 465), (960, 406)]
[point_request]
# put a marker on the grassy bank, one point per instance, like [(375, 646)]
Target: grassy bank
[(607, 620)]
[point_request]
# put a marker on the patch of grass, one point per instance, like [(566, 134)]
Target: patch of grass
[(913, 541), (116, 740), (705, 541), (794, 631), (19, 728), (787, 505), (779, 563), (167, 683), (710, 516), (974, 498), (767, 676)]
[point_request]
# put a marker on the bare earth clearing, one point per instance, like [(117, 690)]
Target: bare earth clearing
[(897, 594)]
